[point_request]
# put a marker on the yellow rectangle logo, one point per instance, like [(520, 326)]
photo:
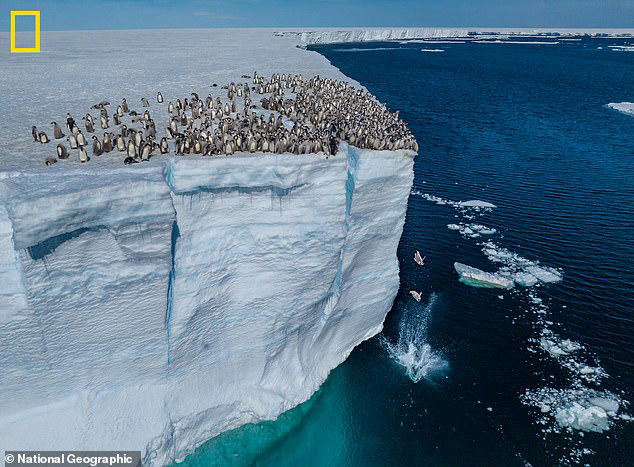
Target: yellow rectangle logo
[(23, 50)]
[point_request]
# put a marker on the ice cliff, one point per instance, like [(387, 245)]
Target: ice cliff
[(154, 307)]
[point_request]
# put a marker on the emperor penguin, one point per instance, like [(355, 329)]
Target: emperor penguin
[(117, 119), (164, 146), (124, 106), (42, 137), (145, 102), (88, 124), (107, 142), (97, 148), (131, 149), (170, 107), (104, 122), (62, 153), (72, 141), (70, 122), (83, 156), (145, 151), (159, 97), (120, 143), (57, 131), (35, 134), (129, 160), (119, 111), (50, 161), (81, 139)]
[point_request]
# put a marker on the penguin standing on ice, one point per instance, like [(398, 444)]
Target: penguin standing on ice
[(145, 102), (35, 134), (42, 137), (62, 153), (57, 131), (164, 146), (159, 97), (107, 142), (83, 156), (70, 121), (81, 139), (89, 126), (97, 148), (72, 141), (124, 106)]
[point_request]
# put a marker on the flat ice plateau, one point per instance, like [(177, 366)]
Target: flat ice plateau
[(152, 307)]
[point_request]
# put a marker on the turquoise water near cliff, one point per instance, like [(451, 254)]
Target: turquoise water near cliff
[(476, 376)]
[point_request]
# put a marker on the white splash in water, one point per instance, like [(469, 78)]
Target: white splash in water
[(411, 350)]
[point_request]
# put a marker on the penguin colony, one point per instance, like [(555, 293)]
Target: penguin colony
[(305, 116)]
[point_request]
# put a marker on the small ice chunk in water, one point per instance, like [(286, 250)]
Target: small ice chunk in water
[(478, 278), (578, 417), (476, 203), (606, 404)]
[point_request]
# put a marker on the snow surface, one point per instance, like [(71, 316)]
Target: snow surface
[(154, 306)]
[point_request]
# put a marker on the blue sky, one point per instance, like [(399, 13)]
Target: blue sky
[(130, 14)]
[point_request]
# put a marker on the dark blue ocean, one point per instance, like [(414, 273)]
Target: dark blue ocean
[(486, 376)]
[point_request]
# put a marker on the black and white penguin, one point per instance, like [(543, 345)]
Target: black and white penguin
[(97, 148), (129, 160), (107, 142), (57, 131), (164, 146), (72, 141), (50, 161), (83, 156), (104, 122), (70, 121), (159, 97), (145, 102), (42, 137), (145, 150), (120, 143), (124, 106), (88, 124), (35, 134), (62, 153), (131, 149), (81, 139)]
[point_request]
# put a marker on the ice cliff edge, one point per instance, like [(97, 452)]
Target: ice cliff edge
[(156, 307)]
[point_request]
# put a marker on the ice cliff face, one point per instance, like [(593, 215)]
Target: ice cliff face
[(154, 307)]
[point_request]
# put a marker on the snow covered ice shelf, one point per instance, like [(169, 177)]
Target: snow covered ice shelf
[(153, 307)]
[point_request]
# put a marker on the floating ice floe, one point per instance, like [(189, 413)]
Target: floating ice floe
[(476, 203), (624, 107), (471, 230), (432, 50), (478, 278), (577, 408), (521, 270)]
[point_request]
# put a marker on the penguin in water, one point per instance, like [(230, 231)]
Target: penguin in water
[(57, 131), (35, 134), (83, 156), (159, 97), (62, 153), (42, 137)]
